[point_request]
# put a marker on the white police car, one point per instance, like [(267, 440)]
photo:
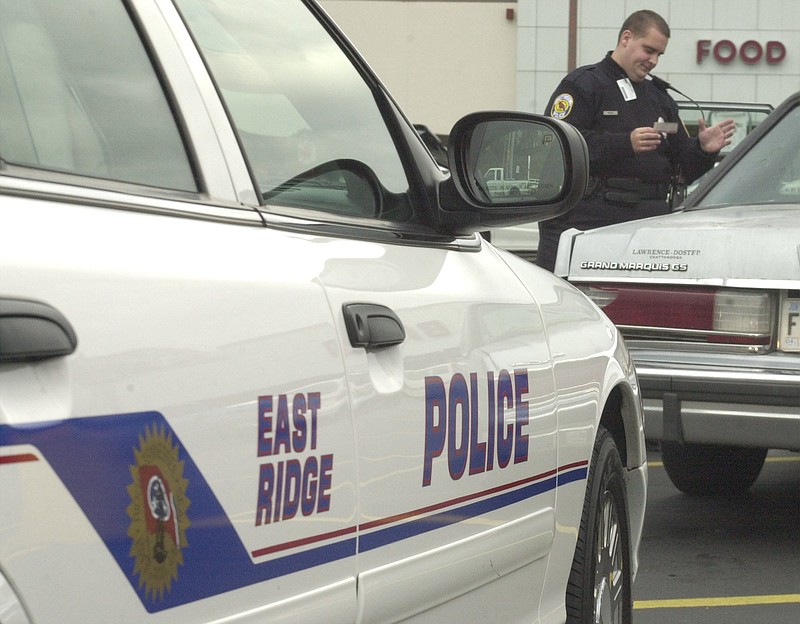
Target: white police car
[(255, 363)]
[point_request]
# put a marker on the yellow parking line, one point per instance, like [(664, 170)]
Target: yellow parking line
[(783, 458), (731, 601)]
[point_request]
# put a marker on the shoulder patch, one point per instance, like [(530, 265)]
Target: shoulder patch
[(562, 106)]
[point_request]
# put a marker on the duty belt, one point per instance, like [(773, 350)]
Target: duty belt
[(630, 191)]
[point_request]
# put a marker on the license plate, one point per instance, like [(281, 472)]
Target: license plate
[(790, 325)]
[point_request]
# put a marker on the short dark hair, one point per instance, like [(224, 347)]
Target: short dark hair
[(640, 22)]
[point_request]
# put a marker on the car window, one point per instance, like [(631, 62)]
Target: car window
[(79, 94), (746, 119), (768, 173), (306, 119)]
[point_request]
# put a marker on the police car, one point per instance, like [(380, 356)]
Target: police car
[(256, 364), (708, 299)]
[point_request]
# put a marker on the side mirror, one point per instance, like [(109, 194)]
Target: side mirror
[(509, 168)]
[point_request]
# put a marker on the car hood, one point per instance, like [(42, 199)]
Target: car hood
[(726, 246)]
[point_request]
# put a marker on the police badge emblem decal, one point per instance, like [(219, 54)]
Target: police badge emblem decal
[(158, 512), (562, 106)]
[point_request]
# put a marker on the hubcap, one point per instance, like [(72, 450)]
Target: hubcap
[(609, 577)]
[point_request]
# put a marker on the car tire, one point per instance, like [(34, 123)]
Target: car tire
[(599, 586), (712, 470)]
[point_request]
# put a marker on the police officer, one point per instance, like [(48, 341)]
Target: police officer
[(616, 106)]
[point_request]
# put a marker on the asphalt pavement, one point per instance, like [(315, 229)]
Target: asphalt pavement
[(732, 560)]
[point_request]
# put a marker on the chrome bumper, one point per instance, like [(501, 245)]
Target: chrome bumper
[(721, 404)]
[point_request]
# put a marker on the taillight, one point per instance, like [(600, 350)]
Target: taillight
[(697, 313)]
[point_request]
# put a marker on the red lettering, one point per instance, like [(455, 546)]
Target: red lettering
[(751, 52), (725, 51), (776, 52), (702, 49)]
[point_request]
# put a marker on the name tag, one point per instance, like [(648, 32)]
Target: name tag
[(626, 88), (610, 113)]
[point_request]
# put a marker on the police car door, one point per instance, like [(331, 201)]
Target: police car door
[(454, 426), (175, 435)]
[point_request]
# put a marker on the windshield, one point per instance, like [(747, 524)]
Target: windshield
[(768, 173), (308, 122)]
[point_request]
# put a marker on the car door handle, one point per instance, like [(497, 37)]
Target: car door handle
[(372, 326), (33, 330)]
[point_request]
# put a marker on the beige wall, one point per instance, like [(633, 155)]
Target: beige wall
[(440, 60)]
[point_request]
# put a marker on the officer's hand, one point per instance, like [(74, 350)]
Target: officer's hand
[(645, 140), (714, 138)]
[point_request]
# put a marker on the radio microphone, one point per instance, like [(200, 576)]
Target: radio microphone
[(664, 85)]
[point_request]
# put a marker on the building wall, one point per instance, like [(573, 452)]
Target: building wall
[(444, 58), (439, 59), (543, 36)]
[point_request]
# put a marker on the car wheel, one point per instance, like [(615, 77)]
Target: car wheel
[(599, 587), (712, 470)]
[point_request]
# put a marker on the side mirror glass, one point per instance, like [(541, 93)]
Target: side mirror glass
[(516, 162)]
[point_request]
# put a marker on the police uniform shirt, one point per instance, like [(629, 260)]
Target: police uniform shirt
[(601, 102), (605, 106)]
